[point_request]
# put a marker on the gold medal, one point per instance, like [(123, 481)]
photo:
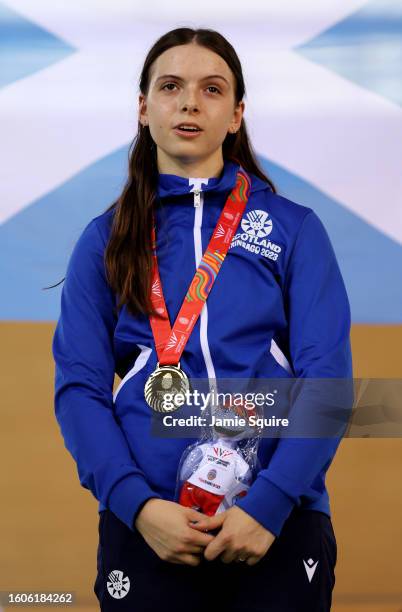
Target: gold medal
[(166, 380)]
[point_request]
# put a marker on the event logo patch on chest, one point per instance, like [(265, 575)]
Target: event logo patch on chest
[(256, 225)]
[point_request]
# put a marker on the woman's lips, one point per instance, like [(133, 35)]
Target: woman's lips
[(187, 134)]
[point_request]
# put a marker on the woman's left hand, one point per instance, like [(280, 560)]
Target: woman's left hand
[(241, 536)]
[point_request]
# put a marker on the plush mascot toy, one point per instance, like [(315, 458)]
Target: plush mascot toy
[(215, 472)]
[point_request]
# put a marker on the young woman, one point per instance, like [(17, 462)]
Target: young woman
[(269, 303)]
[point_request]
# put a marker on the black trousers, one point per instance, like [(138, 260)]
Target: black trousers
[(295, 575)]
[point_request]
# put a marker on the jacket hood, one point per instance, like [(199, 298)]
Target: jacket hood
[(174, 185)]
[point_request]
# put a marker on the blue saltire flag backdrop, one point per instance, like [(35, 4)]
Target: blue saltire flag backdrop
[(323, 107)]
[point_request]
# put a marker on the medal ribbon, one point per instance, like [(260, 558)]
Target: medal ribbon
[(170, 343)]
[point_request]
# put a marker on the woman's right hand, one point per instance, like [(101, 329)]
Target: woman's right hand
[(165, 526)]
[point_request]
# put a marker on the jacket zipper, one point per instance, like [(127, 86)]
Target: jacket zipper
[(198, 205), (197, 198)]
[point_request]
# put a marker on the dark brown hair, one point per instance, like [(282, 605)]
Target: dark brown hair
[(128, 254)]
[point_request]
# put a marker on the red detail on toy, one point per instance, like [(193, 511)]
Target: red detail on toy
[(195, 497)]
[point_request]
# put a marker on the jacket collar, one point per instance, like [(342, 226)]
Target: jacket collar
[(174, 185)]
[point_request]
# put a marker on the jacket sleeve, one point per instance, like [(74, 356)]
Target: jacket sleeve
[(319, 320), (84, 374)]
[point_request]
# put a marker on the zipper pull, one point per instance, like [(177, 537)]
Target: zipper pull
[(197, 198)]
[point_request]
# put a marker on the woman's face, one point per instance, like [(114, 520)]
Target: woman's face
[(192, 95)]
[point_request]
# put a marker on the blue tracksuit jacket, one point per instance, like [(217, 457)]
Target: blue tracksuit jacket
[(278, 308)]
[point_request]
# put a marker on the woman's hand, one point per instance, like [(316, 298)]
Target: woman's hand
[(241, 536), (166, 527)]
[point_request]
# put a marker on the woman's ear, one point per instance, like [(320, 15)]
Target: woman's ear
[(142, 110)]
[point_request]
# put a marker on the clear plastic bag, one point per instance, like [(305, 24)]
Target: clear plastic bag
[(220, 467)]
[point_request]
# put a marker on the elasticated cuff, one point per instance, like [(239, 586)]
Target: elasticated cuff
[(127, 498), (267, 504)]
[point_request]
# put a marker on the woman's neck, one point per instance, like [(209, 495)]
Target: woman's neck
[(209, 168)]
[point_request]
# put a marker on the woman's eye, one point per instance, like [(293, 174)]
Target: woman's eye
[(167, 85)]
